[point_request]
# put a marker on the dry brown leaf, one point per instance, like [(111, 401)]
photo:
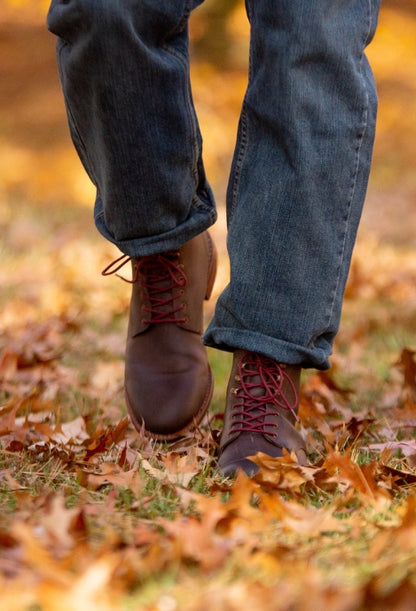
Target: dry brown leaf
[(312, 521), (42, 564), (91, 590), (282, 473), (180, 470), (197, 540), (111, 473), (159, 474), (55, 524), (360, 477), (74, 431), (104, 438), (407, 448)]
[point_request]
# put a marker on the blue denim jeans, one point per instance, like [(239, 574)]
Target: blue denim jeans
[(300, 168)]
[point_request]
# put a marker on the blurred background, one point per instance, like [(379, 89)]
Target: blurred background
[(51, 254)]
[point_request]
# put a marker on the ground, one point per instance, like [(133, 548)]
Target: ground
[(93, 515)]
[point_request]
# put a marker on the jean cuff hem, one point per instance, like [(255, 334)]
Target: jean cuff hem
[(170, 240), (278, 350)]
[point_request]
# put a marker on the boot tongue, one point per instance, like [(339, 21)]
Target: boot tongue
[(162, 280), (256, 389), (266, 391), (260, 378)]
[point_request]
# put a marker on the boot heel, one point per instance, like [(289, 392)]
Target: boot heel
[(212, 267)]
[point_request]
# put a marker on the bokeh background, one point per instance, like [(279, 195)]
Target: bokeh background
[(51, 254)]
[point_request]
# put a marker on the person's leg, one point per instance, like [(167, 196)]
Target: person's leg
[(297, 187), (124, 69)]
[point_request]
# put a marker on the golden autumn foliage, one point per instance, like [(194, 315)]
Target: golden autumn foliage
[(94, 516)]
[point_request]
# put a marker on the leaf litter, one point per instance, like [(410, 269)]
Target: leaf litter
[(94, 513), (96, 516)]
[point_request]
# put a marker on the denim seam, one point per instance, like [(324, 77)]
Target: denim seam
[(243, 142), (183, 60), (242, 137), (356, 168)]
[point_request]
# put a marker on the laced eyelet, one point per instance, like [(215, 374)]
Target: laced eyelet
[(261, 395)]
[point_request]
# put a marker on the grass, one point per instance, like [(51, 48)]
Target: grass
[(101, 518)]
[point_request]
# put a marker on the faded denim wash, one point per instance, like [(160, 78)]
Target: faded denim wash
[(301, 163)]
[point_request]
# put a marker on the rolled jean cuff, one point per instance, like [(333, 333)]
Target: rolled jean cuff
[(278, 350), (201, 218)]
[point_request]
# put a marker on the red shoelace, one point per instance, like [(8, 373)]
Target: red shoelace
[(164, 281), (260, 382)]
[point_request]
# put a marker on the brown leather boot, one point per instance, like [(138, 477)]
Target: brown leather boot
[(260, 413), (168, 381)]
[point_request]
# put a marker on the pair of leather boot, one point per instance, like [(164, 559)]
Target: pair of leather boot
[(168, 381)]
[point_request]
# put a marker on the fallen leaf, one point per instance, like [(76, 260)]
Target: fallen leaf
[(56, 523), (283, 473), (180, 470), (110, 473)]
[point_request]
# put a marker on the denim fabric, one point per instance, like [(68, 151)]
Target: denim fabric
[(301, 163), (299, 177), (124, 70)]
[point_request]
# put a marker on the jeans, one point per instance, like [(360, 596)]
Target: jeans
[(300, 169)]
